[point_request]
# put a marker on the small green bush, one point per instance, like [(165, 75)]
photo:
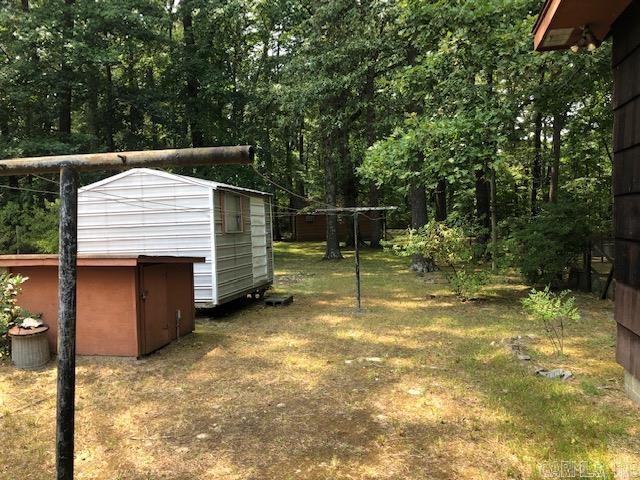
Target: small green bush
[(444, 245), (553, 310), (10, 312), (547, 245), (467, 285)]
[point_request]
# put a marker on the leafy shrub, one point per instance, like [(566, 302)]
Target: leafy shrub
[(467, 285), (553, 310), (443, 245), (546, 246), (10, 312)]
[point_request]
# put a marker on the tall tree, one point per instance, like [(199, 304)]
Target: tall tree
[(66, 72)]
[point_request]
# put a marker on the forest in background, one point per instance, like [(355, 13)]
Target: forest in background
[(439, 107)]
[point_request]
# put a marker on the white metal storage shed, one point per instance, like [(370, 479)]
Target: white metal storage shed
[(150, 212)]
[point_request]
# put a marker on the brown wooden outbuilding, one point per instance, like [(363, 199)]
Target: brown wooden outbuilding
[(313, 227), (126, 305), (585, 24)]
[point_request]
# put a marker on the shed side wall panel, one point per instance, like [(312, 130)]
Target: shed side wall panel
[(149, 214), (234, 265), (269, 227), (259, 241), (626, 66)]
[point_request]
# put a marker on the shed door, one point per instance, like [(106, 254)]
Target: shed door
[(259, 240), (157, 330)]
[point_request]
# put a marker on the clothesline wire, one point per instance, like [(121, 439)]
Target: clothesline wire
[(134, 201), (26, 189), (297, 195)]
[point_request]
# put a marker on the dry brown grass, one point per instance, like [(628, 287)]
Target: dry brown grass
[(413, 387)]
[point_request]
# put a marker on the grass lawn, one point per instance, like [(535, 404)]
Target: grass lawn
[(416, 386)]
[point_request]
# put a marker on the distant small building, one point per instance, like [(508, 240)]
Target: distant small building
[(151, 212), (312, 227), (127, 306)]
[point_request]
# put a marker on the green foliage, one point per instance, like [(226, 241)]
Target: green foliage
[(443, 244), (468, 284), (336, 96), (10, 312), (544, 247), (30, 228), (553, 311), (446, 246)]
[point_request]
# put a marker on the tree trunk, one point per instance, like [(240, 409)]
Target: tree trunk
[(29, 117), (370, 119), (483, 205), (418, 202), (268, 163), (153, 117), (135, 115), (192, 106), (332, 251), (92, 107), (554, 174), (289, 176), (110, 113), (349, 184), (329, 151), (277, 229), (494, 220), (298, 200), (66, 74), (441, 200), (536, 171)]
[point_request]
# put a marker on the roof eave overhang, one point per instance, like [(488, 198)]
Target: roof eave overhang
[(560, 23), (93, 260)]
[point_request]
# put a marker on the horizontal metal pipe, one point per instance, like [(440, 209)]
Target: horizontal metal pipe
[(123, 160)]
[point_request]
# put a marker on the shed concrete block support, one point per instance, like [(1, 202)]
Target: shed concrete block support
[(632, 387)]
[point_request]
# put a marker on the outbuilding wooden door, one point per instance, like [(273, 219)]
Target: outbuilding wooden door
[(158, 324)]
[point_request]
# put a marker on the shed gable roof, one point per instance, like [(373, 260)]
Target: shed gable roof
[(173, 176)]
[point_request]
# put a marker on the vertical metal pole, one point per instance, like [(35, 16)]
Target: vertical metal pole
[(67, 274), (384, 225), (356, 242)]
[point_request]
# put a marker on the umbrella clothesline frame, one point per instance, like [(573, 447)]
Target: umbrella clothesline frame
[(355, 212)]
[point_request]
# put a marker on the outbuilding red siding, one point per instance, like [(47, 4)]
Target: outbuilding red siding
[(126, 306), (313, 228)]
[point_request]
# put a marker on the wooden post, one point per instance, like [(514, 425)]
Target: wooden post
[(356, 241), (121, 160), (587, 267), (605, 291), (65, 407)]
